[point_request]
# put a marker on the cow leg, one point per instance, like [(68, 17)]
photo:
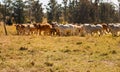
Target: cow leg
[(101, 33), (39, 32)]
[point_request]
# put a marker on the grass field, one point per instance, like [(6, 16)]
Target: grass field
[(58, 54)]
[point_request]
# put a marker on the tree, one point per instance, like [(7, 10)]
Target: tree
[(65, 9), (86, 11), (53, 11), (28, 10), (37, 11), (6, 4), (79, 11), (6, 11), (71, 11), (2, 10), (18, 6), (108, 13)]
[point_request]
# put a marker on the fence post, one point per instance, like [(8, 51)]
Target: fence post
[(4, 24), (5, 30)]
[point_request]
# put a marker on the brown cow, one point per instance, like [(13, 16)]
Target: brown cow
[(25, 29), (18, 29), (105, 28), (54, 30), (45, 28), (32, 29)]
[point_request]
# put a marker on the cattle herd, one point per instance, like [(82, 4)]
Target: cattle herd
[(56, 29)]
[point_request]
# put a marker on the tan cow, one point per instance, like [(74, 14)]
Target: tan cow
[(44, 28)]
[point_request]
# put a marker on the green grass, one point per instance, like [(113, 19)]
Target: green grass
[(58, 54)]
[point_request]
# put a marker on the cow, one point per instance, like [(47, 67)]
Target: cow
[(32, 29), (114, 29), (64, 30), (91, 29), (18, 29), (25, 29), (105, 28), (45, 28), (78, 29)]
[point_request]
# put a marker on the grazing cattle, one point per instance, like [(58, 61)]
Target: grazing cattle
[(36, 28), (32, 29), (58, 29), (45, 28), (28, 29), (69, 29), (65, 30), (105, 28), (25, 29), (21, 29), (18, 29), (54, 31), (114, 29), (90, 29), (78, 29)]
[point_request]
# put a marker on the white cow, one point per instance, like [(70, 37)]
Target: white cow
[(65, 30), (114, 29), (78, 29), (90, 29)]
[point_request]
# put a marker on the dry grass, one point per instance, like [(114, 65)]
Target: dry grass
[(58, 54)]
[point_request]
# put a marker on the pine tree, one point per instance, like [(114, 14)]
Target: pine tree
[(65, 10), (53, 11), (37, 11), (18, 6)]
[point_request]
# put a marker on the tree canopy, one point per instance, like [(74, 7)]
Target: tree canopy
[(71, 11)]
